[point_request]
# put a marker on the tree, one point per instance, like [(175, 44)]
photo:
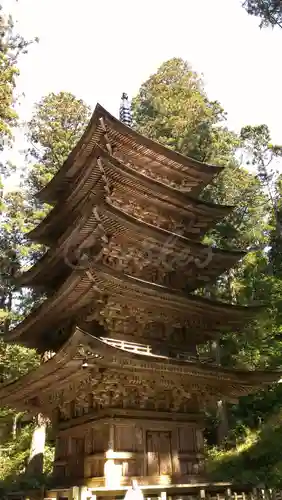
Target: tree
[(57, 123), (270, 11), (257, 142), (276, 233), (172, 108), (12, 45), (14, 360)]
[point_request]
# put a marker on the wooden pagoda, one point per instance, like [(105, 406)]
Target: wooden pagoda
[(124, 384)]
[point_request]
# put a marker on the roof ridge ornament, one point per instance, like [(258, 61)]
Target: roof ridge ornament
[(125, 110)]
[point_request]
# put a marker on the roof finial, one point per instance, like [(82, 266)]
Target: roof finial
[(125, 110)]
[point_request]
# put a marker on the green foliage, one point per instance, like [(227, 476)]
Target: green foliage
[(15, 361), (172, 108), (57, 123), (270, 11), (254, 460), (12, 45), (14, 454), (245, 226), (257, 142)]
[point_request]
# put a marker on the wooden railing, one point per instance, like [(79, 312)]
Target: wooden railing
[(129, 346), (148, 350), (219, 491)]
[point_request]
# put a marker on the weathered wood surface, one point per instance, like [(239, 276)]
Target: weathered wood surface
[(120, 302), (126, 243), (104, 176)]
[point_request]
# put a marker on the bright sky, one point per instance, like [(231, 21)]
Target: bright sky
[(97, 49)]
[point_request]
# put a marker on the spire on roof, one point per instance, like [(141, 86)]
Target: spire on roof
[(125, 110)]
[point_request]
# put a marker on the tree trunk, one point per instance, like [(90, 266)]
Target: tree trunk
[(15, 425), (231, 291), (35, 463), (223, 425)]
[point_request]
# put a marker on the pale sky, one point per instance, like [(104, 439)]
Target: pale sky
[(98, 49)]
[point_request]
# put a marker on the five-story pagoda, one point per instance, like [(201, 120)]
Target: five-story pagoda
[(124, 386)]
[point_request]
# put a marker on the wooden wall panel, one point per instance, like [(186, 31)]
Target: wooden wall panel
[(187, 439), (199, 440), (89, 439), (97, 468), (76, 459), (129, 468), (125, 438), (59, 472), (186, 467), (61, 447), (100, 438)]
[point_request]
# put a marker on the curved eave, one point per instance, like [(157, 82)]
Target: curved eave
[(84, 288), (172, 157), (201, 171), (90, 137), (15, 394), (174, 297), (26, 391), (71, 297), (106, 350), (119, 222), (135, 180)]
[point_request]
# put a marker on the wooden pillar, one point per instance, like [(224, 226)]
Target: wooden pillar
[(112, 471), (111, 443), (145, 457)]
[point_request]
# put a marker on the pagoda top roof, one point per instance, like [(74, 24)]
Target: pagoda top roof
[(103, 123), (83, 357)]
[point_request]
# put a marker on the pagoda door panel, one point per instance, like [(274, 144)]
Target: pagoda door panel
[(159, 453), (165, 453), (77, 458), (153, 453)]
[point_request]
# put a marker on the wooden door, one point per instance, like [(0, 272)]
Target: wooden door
[(159, 453)]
